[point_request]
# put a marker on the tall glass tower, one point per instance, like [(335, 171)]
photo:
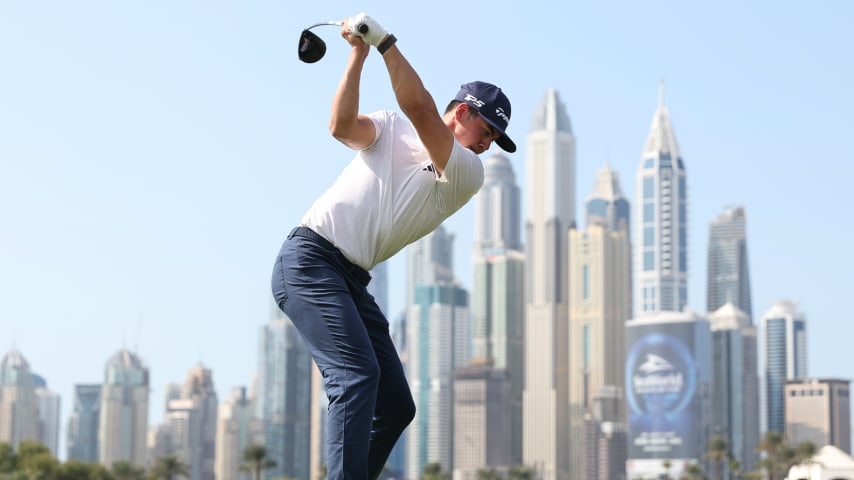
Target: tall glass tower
[(728, 276), (123, 425), (18, 415), (550, 189), (438, 341), (285, 379), (735, 396), (661, 228), (82, 439), (785, 353), (498, 307), (600, 302)]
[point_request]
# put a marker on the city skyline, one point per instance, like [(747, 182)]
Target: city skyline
[(149, 179)]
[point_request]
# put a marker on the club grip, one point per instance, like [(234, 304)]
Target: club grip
[(363, 28)]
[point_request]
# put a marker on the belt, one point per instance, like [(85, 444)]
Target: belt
[(362, 276)]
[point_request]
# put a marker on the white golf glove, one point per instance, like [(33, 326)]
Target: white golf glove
[(375, 33)]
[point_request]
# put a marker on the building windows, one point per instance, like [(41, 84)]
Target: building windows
[(649, 187), (648, 261)]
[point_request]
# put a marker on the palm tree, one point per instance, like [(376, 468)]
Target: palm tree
[(255, 460), (521, 472), (433, 471), (734, 469), (718, 452), (124, 470), (168, 467), (773, 446), (487, 474), (693, 472)]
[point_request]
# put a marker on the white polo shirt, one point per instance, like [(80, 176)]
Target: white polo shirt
[(390, 194)]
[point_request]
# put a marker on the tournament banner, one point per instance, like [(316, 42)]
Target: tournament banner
[(662, 391)]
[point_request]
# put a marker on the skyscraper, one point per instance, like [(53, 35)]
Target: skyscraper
[(661, 225), (728, 277), (818, 410), (237, 428), (785, 358), (82, 439), (735, 392), (190, 424), (122, 427), (47, 412), (438, 341), (18, 415), (285, 375), (550, 189), (498, 307), (599, 305), (481, 425)]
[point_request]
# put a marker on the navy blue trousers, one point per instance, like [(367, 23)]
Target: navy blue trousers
[(327, 299)]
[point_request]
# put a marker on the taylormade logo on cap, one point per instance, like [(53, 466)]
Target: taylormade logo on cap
[(492, 105)]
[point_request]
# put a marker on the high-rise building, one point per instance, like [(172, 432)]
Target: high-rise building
[(728, 278), (237, 428), (481, 425), (661, 225), (818, 410), (82, 437), (18, 414), (498, 306), (784, 351), (47, 412), (498, 208), (604, 448), (397, 458), (190, 424), (735, 392), (550, 190), (123, 424), (668, 388), (285, 376), (438, 341), (599, 305)]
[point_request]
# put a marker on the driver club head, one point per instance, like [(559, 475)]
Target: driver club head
[(311, 47)]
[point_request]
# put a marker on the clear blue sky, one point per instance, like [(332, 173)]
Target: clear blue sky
[(153, 155)]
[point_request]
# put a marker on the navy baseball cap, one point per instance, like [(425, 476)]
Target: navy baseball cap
[(491, 103)]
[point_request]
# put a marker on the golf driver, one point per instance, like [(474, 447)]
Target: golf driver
[(312, 48)]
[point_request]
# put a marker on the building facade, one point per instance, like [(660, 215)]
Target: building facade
[(784, 351), (498, 306), (550, 190), (123, 423), (818, 410), (735, 392), (728, 275), (18, 413), (47, 412), (482, 426), (237, 428), (599, 305), (82, 435), (285, 395), (438, 340), (661, 225)]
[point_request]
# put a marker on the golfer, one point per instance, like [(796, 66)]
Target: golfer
[(409, 174)]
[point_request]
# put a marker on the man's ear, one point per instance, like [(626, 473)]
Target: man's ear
[(462, 112)]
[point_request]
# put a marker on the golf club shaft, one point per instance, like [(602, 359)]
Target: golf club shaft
[(363, 29)]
